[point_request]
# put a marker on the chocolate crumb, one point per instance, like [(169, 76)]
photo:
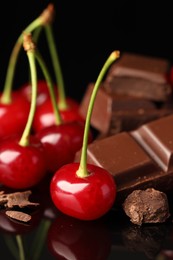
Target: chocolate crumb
[(147, 206), (17, 215), (20, 199)]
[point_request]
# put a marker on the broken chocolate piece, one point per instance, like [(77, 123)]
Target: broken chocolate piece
[(133, 164), (139, 76), (20, 199), (116, 113), (18, 215), (147, 206)]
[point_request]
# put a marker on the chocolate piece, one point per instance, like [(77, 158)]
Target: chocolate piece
[(139, 76), (17, 215), (147, 206), (133, 164), (157, 139), (116, 113), (19, 199)]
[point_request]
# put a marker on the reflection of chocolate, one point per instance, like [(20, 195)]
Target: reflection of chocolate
[(116, 113), (139, 76), (146, 206), (139, 159), (147, 239)]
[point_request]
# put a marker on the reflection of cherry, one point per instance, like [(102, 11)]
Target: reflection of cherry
[(69, 238)]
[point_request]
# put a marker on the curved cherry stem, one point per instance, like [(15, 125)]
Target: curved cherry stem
[(49, 81), (56, 66), (43, 19), (29, 47), (82, 171)]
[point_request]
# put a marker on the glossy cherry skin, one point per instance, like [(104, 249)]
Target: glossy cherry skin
[(44, 115), (42, 91), (13, 116), (57, 146), (86, 198), (61, 142), (70, 238), (21, 167)]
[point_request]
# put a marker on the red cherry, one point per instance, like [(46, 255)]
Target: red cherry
[(42, 91), (13, 116), (21, 166), (69, 238), (85, 198), (61, 142), (44, 115)]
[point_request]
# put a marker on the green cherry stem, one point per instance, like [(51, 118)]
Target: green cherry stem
[(29, 47), (41, 20), (56, 64), (82, 170), (49, 81)]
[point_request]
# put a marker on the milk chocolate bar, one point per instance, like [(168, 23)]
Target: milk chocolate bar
[(139, 159), (139, 76), (114, 113)]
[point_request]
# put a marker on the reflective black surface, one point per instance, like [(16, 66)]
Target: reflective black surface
[(52, 235)]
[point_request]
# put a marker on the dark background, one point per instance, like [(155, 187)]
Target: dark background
[(86, 33)]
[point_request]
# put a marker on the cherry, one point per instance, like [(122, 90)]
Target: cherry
[(14, 109), (70, 238), (44, 115), (13, 115), (22, 162), (42, 91), (83, 190)]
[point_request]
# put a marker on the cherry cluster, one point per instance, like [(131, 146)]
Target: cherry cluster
[(41, 130)]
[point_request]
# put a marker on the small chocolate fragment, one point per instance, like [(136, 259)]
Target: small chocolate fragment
[(18, 215), (139, 76), (147, 206)]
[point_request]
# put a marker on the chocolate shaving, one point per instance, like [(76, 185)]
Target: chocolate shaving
[(20, 199), (21, 216)]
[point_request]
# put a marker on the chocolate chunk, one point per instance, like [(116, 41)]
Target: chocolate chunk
[(146, 206), (139, 76), (156, 138), (137, 160), (18, 215), (20, 199), (116, 113)]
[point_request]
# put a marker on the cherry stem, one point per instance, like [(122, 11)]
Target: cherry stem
[(56, 66), (82, 170), (29, 47), (49, 81), (20, 246), (41, 20)]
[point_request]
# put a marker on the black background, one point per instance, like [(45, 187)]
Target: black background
[(86, 33)]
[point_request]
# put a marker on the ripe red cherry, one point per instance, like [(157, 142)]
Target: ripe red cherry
[(70, 238), (14, 115), (82, 190), (44, 115), (85, 198), (21, 166), (61, 142), (42, 91)]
